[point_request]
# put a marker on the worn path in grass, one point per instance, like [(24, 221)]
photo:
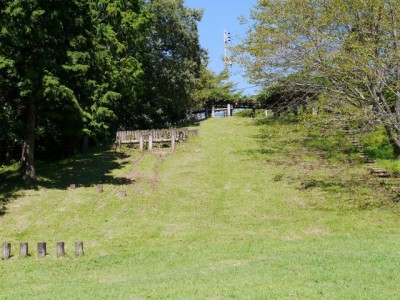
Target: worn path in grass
[(223, 217)]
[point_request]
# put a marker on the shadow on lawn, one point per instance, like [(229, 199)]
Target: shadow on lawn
[(273, 137), (278, 120), (83, 170)]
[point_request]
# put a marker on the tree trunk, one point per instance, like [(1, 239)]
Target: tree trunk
[(385, 113), (396, 148), (8, 153), (85, 143), (28, 150)]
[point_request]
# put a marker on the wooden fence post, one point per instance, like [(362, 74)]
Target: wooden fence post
[(79, 249), (173, 140), (141, 143), (41, 250), (100, 188), (72, 186), (150, 142), (23, 249), (6, 251), (60, 246)]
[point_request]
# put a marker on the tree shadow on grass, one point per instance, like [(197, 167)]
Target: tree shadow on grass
[(190, 123), (83, 170), (275, 141), (280, 120)]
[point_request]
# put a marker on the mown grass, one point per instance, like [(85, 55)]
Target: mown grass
[(247, 210)]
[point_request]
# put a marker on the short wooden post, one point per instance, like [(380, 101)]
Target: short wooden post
[(41, 250), (141, 142), (213, 111), (60, 247), (228, 110), (79, 249), (6, 251), (122, 194), (72, 186), (23, 249), (100, 188), (150, 142), (173, 137)]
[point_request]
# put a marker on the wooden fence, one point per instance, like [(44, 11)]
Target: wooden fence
[(150, 137)]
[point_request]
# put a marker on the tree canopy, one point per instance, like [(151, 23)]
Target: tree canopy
[(74, 71), (212, 87), (351, 45), (171, 62)]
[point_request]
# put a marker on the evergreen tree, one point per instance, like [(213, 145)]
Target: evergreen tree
[(74, 70), (37, 40)]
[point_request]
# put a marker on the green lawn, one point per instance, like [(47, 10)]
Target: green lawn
[(247, 210)]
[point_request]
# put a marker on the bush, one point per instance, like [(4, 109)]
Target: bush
[(248, 113), (377, 144)]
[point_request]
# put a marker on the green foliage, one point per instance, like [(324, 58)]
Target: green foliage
[(291, 93), (120, 33), (377, 144), (247, 113), (78, 69), (212, 88), (171, 62), (350, 46), (37, 38)]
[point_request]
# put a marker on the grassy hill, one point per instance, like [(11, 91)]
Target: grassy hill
[(247, 210)]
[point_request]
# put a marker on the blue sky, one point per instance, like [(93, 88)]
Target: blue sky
[(220, 15)]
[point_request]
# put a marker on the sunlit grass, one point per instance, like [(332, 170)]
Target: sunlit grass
[(247, 210)]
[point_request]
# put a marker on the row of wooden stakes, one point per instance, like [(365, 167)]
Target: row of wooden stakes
[(41, 250)]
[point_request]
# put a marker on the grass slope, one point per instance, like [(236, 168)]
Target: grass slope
[(246, 211)]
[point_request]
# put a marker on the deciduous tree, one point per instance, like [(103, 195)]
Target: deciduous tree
[(351, 44), (171, 63)]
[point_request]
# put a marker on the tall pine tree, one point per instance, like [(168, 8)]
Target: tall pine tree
[(41, 41)]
